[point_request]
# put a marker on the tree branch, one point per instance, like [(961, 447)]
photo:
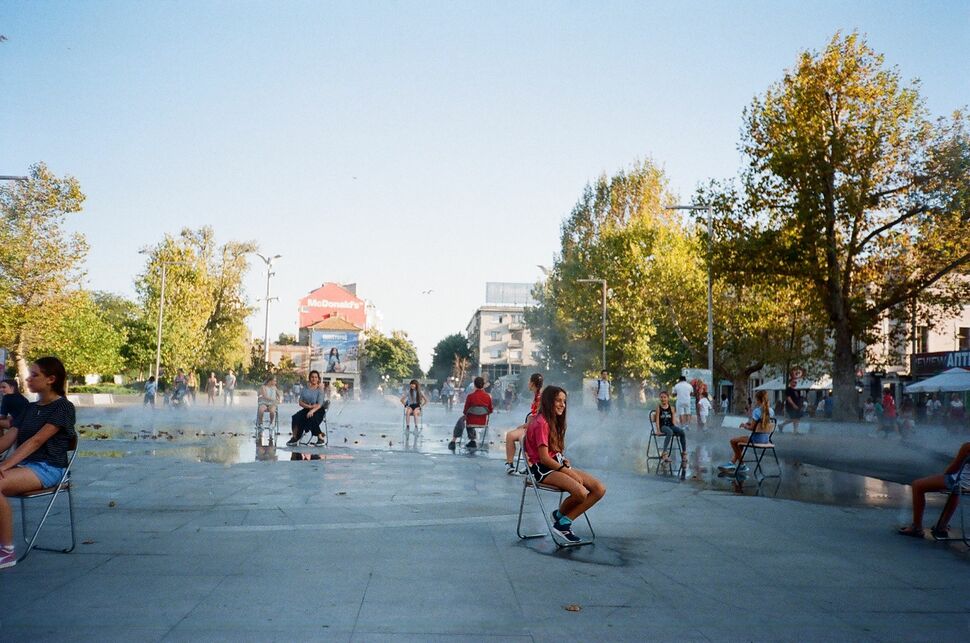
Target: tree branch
[(920, 285), (875, 233), (680, 333)]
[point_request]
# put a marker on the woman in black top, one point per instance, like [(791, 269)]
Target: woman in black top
[(13, 403), (43, 435), (665, 425)]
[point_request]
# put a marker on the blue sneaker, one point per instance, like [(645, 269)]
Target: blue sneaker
[(556, 516), (566, 532), (729, 466), (743, 468)]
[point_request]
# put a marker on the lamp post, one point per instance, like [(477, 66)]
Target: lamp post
[(269, 273), (593, 280), (710, 293), (161, 312), (7, 177)]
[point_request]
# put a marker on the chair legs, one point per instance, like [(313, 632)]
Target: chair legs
[(964, 536), (529, 482), (32, 540), (759, 454)]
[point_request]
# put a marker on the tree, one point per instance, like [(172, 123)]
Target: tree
[(851, 188), (445, 352), (205, 307), (38, 258), (83, 338), (286, 339), (138, 350), (394, 356)]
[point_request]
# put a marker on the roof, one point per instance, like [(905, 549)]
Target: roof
[(334, 323)]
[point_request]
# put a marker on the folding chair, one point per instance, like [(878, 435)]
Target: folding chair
[(274, 426), (960, 488), (418, 421), (653, 439), (759, 451), (480, 438), (324, 428), (52, 492), (529, 481), (520, 451)]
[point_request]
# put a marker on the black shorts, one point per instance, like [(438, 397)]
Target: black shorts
[(414, 406), (794, 414), (540, 472)]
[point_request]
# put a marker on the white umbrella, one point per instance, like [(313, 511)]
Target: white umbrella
[(954, 379), (823, 383)]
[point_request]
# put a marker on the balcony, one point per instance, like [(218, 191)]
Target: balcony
[(516, 326), (515, 343)]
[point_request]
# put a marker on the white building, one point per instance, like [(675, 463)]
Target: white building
[(497, 334)]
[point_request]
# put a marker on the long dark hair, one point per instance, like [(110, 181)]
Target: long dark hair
[(536, 380), (557, 423), (53, 367), (12, 383), (417, 391)]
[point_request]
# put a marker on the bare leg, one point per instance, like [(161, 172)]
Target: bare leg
[(920, 489), (15, 481), (595, 490), (511, 438)]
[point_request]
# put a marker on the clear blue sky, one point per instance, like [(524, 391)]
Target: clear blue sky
[(403, 145)]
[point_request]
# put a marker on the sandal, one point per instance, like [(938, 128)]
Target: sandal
[(910, 531), (665, 457)]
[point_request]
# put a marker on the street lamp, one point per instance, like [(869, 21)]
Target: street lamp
[(7, 177), (593, 280), (161, 311), (269, 273), (710, 294)]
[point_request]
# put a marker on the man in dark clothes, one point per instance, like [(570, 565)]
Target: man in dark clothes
[(793, 407)]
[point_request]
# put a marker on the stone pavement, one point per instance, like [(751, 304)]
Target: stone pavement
[(376, 544)]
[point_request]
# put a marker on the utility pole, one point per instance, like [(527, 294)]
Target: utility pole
[(269, 273)]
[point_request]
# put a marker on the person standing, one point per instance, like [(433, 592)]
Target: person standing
[(230, 388), (683, 390), (793, 408), (193, 385), (151, 388), (447, 394), (888, 412), (704, 408), (210, 388), (602, 390)]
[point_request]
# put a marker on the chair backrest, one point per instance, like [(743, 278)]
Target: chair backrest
[(477, 410), (963, 477), (653, 421)]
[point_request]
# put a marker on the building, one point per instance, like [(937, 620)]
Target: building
[(497, 335), (333, 300)]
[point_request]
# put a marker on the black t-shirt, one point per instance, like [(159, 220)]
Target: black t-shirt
[(795, 397), (665, 416), (13, 405), (60, 413)]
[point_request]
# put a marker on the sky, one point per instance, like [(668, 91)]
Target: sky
[(403, 146)]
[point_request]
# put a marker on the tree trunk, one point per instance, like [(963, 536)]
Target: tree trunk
[(739, 393), (22, 369), (843, 376)]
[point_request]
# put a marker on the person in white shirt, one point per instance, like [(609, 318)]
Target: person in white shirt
[(602, 390), (683, 390), (704, 408)]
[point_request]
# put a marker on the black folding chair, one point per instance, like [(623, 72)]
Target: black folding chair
[(63, 486), (960, 488), (759, 451), (478, 412)]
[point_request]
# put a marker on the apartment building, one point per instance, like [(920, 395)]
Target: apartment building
[(497, 334)]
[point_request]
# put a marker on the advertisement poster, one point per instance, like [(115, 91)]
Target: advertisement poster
[(334, 351)]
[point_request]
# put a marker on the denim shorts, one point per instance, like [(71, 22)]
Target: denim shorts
[(48, 474), (951, 480)]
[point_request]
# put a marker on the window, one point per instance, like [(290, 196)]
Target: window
[(500, 319), (963, 339), (515, 354), (922, 339), (494, 335), (495, 353)]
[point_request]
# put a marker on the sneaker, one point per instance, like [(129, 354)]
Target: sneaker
[(451, 446), (321, 441), (509, 469), (743, 468), (471, 445), (292, 442), (566, 532), (728, 466), (556, 516), (7, 558)]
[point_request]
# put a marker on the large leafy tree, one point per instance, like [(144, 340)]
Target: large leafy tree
[(851, 188), (205, 306), (445, 352), (83, 338), (394, 356), (138, 350), (38, 258)]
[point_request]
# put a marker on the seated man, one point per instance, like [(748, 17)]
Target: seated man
[(478, 397)]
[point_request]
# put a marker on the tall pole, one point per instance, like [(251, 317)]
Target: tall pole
[(269, 273), (710, 299), (604, 325), (158, 342)]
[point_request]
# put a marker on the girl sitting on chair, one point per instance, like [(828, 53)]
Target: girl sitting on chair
[(43, 434), (946, 481), (545, 441), (413, 399), (665, 425), (312, 411), (760, 427), (268, 399)]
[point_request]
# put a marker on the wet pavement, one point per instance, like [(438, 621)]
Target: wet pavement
[(194, 529)]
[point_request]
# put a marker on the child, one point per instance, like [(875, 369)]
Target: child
[(545, 441), (704, 408), (760, 427), (151, 388), (516, 434)]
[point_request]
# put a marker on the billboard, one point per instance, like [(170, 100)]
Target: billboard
[(332, 300), (334, 351)]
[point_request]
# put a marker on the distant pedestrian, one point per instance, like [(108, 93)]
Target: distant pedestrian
[(602, 390), (210, 388), (704, 408), (793, 407), (230, 388), (682, 392), (888, 423), (193, 385), (869, 411), (448, 394), (725, 404), (151, 389)]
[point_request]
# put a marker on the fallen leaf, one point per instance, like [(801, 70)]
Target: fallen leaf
[(112, 503), (87, 542), (572, 607)]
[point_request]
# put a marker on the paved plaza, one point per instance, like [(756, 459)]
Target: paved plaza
[(192, 532)]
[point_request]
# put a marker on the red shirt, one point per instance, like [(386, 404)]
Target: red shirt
[(537, 435), (478, 397), (888, 406)]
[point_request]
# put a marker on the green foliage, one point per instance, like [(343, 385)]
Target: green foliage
[(394, 356), (205, 307), (286, 339), (38, 258), (83, 338), (443, 358), (851, 189), (138, 349)]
